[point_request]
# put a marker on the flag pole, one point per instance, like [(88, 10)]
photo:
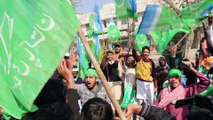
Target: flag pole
[(173, 6), (101, 75), (183, 37)]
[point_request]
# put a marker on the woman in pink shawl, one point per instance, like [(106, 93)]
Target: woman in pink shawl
[(175, 91)]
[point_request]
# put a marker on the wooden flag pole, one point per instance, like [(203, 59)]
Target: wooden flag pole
[(181, 39), (184, 37), (101, 75), (173, 6)]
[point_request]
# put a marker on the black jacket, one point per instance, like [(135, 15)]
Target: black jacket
[(154, 113)]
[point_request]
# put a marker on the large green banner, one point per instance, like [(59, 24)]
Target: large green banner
[(34, 35)]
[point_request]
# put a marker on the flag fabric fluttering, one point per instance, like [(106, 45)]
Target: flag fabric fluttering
[(91, 22), (30, 31), (126, 9), (141, 41), (83, 58), (95, 22), (95, 30), (162, 23), (195, 13), (207, 10), (113, 31), (96, 47), (98, 22)]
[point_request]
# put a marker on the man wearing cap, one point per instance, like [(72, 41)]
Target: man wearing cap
[(175, 91), (118, 51), (76, 78), (92, 88)]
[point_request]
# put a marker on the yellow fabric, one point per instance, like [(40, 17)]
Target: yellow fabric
[(143, 70)]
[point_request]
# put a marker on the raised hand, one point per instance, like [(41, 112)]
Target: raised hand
[(189, 65), (66, 73), (132, 108), (174, 50), (133, 44)]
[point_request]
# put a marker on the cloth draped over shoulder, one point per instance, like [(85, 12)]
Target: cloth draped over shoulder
[(168, 96)]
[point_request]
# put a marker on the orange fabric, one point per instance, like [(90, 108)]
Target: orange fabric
[(207, 62)]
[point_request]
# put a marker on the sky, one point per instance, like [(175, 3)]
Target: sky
[(87, 5)]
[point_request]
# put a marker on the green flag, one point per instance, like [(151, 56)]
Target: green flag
[(34, 35), (91, 24), (129, 96), (126, 9), (113, 31), (95, 22), (162, 23), (83, 58), (96, 47), (195, 13), (168, 25), (141, 41)]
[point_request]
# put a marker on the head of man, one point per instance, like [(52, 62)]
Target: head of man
[(91, 79), (162, 61), (117, 48), (145, 52), (96, 109), (75, 72), (130, 62), (110, 56), (174, 77)]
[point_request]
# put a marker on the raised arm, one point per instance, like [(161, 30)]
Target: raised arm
[(148, 112), (173, 57), (203, 83), (72, 96), (134, 53)]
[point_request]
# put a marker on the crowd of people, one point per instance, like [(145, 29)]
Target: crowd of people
[(67, 96), (86, 98)]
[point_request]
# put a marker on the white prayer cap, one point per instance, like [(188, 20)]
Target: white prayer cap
[(75, 69), (67, 54)]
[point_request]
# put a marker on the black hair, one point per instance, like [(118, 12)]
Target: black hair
[(53, 91), (109, 52), (96, 109), (190, 75), (55, 111), (182, 66), (117, 44), (145, 47), (75, 66)]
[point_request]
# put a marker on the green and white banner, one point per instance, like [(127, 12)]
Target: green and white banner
[(34, 35)]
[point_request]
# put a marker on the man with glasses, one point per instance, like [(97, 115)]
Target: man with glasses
[(175, 91)]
